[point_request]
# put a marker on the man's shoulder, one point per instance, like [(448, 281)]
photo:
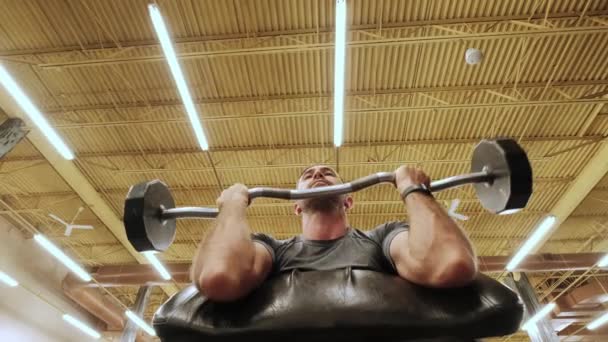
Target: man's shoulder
[(382, 231), (267, 238), (358, 233), (387, 226), (393, 225)]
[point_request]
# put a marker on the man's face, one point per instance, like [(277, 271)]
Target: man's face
[(316, 176)]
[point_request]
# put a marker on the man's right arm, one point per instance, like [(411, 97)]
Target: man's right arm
[(228, 264)]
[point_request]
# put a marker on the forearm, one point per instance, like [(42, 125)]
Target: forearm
[(226, 248), (435, 252), (433, 235)]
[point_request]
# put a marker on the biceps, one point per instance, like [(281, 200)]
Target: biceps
[(407, 267), (262, 264)]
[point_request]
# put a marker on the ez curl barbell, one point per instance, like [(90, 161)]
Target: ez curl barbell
[(500, 172)]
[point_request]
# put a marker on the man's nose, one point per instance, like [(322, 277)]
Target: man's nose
[(318, 174)]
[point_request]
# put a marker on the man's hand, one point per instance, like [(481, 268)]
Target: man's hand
[(235, 195), (406, 176)]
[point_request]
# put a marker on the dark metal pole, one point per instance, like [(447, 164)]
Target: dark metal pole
[(139, 308), (542, 331)]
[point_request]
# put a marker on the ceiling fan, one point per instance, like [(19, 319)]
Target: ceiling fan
[(71, 225)]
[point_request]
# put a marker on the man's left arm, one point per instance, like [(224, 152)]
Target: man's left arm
[(435, 251)]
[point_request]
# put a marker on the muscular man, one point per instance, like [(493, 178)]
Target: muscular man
[(431, 250)]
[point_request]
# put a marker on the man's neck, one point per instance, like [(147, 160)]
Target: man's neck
[(324, 226)]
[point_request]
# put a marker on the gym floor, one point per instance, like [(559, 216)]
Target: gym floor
[(261, 73)]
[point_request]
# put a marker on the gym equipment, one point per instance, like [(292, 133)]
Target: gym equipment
[(343, 305), (500, 171)]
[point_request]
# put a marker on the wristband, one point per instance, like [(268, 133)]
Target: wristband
[(416, 188)]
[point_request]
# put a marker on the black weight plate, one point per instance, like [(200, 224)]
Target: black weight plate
[(145, 230), (512, 187)]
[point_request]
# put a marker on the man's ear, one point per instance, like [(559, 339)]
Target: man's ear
[(297, 209), (348, 203)]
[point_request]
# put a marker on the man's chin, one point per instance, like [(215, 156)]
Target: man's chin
[(322, 204)]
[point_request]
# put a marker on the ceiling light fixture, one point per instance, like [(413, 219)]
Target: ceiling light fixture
[(598, 322), (165, 42), (34, 114), (603, 261), (539, 315), (83, 327), (540, 232), (62, 257), (8, 280), (140, 322), (157, 264), (339, 70)]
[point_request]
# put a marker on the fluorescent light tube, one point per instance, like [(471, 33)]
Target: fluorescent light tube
[(83, 327), (531, 243), (34, 114), (539, 315), (165, 42), (64, 259), (603, 261), (140, 322), (8, 280), (597, 322), (339, 66), (157, 264)]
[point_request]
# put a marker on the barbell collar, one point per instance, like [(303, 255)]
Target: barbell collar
[(455, 181)]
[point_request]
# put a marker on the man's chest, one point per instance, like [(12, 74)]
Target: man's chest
[(354, 253)]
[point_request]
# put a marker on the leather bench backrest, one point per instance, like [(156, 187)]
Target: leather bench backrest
[(343, 305)]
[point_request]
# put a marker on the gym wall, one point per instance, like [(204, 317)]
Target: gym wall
[(23, 316)]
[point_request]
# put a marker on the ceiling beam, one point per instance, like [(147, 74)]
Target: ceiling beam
[(303, 165), (317, 96), (217, 38), (326, 145), (283, 46), (581, 331), (327, 113), (595, 112)]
